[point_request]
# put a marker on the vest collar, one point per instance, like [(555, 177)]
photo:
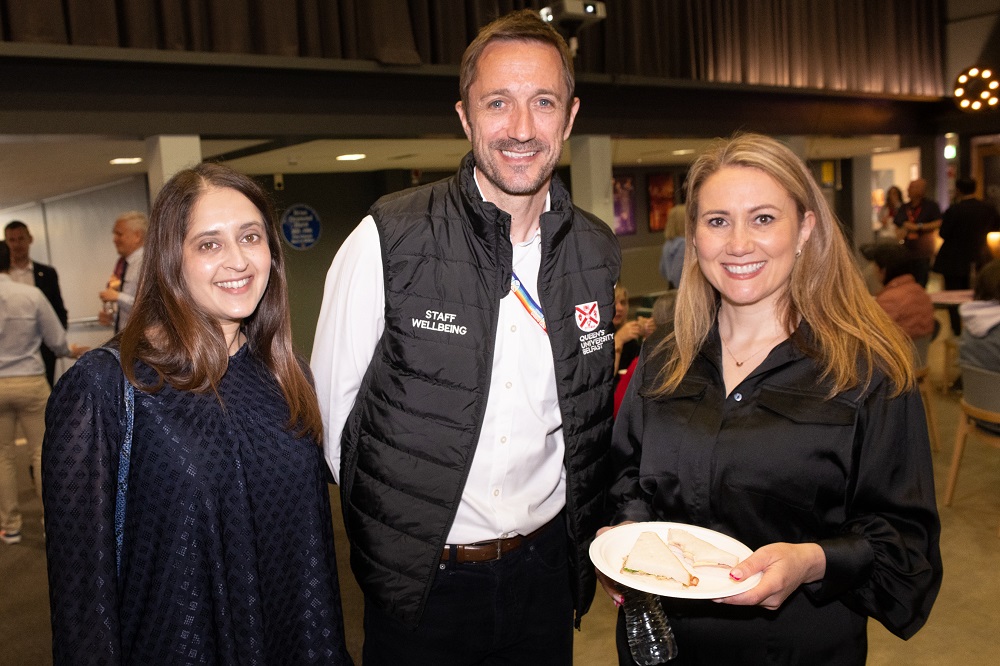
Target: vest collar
[(486, 216)]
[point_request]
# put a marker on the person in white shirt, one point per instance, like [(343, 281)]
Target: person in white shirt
[(129, 235), (463, 362), (26, 321)]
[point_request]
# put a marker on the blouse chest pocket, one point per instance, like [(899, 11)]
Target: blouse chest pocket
[(669, 422), (803, 445), (682, 401)]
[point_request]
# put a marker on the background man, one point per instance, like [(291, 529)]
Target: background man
[(26, 320), (463, 361), (25, 271), (917, 221), (963, 229), (129, 234)]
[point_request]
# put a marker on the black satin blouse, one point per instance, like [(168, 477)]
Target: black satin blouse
[(776, 461)]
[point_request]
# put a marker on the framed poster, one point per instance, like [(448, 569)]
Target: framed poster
[(661, 199), (623, 189)]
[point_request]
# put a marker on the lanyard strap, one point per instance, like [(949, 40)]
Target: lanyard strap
[(527, 301)]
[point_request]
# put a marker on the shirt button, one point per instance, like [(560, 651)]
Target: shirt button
[(508, 385), (737, 397), (513, 329), (503, 440), (496, 492)]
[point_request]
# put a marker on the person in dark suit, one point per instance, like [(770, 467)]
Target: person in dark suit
[(33, 273), (964, 252)]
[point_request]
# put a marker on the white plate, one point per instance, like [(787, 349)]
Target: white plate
[(608, 552)]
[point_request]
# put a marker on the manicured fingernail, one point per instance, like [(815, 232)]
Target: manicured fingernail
[(736, 574), (619, 601)]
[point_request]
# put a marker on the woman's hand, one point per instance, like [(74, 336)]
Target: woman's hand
[(630, 330), (610, 587), (786, 566)]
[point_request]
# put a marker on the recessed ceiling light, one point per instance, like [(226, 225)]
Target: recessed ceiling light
[(351, 157), (126, 160), (684, 151)]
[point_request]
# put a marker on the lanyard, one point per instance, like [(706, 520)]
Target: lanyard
[(527, 301)]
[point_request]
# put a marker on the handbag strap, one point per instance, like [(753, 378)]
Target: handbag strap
[(124, 457)]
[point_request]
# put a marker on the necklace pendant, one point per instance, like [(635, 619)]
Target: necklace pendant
[(738, 364)]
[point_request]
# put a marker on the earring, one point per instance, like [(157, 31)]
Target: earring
[(798, 253)]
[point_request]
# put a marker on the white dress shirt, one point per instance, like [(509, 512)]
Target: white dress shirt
[(129, 286), (517, 482), (24, 275), (26, 321)]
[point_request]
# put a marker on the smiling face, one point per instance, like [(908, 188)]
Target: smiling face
[(226, 259), (518, 117), (747, 232)]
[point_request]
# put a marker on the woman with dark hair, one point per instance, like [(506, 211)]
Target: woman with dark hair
[(226, 547), (906, 302), (780, 410), (887, 214)]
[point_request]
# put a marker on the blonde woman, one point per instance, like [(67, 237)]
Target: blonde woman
[(781, 410)]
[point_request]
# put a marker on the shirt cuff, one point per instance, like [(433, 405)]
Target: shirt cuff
[(849, 562)]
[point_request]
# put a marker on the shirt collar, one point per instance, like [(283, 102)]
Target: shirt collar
[(136, 253)]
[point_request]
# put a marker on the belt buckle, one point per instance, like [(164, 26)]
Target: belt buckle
[(499, 548)]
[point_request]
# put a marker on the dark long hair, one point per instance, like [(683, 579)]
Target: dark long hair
[(184, 345)]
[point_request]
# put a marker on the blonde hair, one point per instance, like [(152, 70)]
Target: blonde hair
[(853, 335)]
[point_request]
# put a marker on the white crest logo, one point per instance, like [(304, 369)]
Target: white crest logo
[(588, 317)]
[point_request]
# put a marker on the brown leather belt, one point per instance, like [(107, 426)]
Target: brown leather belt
[(487, 551)]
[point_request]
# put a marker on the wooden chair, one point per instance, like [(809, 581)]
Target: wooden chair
[(980, 403), (951, 345), (921, 347)]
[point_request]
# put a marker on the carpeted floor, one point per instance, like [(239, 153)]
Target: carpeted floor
[(959, 631)]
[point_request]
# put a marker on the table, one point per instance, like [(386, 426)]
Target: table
[(950, 298)]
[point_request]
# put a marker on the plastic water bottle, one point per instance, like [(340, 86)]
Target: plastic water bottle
[(650, 638)]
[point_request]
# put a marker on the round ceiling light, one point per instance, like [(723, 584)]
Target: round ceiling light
[(977, 89)]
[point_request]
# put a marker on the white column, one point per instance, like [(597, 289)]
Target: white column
[(166, 155), (590, 175), (861, 204), (798, 144)]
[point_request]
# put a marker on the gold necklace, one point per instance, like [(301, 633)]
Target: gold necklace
[(739, 364)]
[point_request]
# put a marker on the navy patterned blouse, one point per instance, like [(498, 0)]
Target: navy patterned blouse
[(228, 553)]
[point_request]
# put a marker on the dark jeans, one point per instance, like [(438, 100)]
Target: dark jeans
[(515, 610), (955, 282), (922, 270)]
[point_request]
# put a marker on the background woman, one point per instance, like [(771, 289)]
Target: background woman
[(781, 410), (906, 302), (628, 333), (228, 552), (887, 230)]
